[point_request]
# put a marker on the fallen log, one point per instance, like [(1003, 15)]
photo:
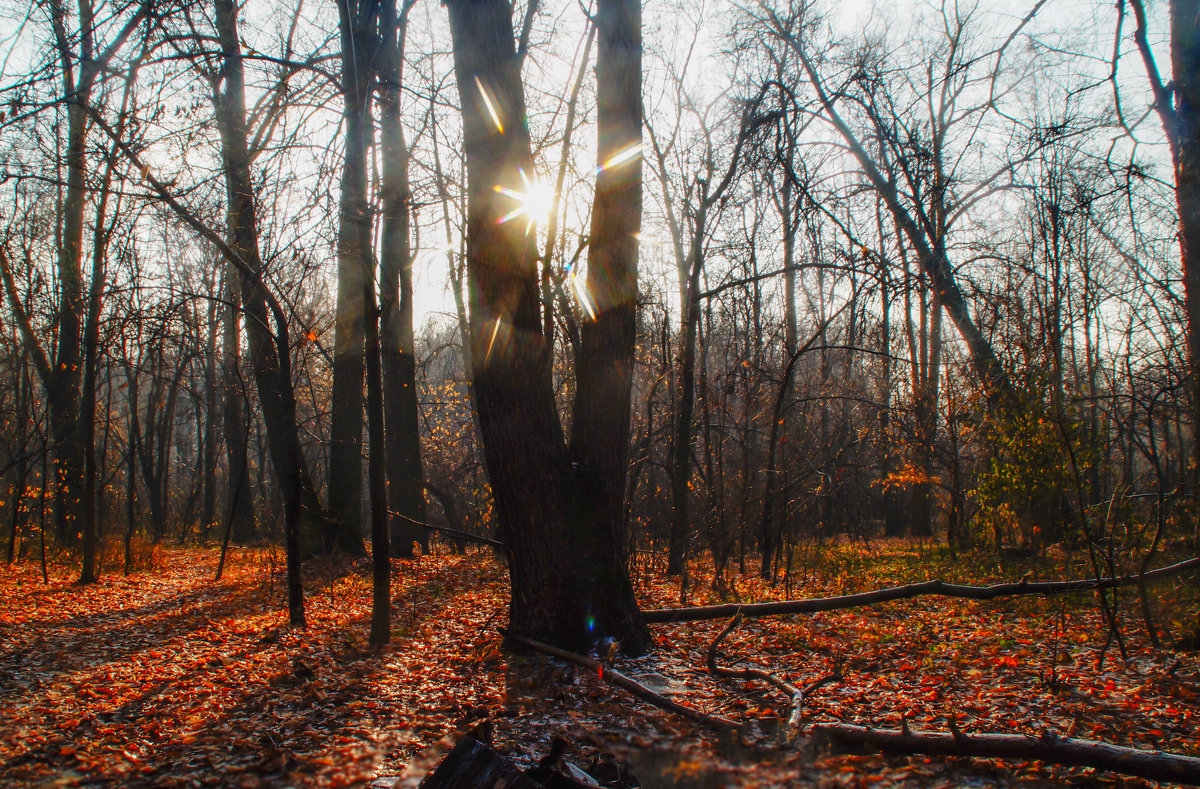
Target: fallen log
[(933, 587), (614, 677), (1153, 765), (794, 694)]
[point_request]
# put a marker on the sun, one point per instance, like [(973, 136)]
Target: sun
[(535, 201)]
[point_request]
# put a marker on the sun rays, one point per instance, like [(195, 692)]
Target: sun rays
[(535, 201)]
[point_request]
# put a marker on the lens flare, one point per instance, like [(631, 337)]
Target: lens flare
[(583, 297), (535, 201), (492, 341), (491, 106), (623, 156)]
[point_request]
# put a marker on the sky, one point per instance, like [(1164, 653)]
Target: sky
[(671, 29)]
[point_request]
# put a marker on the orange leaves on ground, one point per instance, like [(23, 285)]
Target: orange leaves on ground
[(167, 679)]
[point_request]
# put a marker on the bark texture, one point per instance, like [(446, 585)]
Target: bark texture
[(565, 569)]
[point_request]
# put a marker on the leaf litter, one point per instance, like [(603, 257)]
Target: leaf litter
[(166, 678)]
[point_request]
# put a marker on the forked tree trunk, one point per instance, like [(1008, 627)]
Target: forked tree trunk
[(523, 444), (543, 503)]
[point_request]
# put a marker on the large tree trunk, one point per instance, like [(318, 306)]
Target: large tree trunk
[(406, 494), (1185, 60), (63, 389), (604, 367), (357, 19), (524, 450), (539, 509)]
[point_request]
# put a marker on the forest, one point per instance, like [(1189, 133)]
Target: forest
[(748, 393)]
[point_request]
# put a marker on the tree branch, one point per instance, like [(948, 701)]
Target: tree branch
[(933, 587), (1154, 765), (614, 677)]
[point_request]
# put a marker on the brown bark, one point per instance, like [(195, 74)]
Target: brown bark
[(604, 365), (358, 25), (1155, 765), (543, 503), (1185, 69), (524, 450), (406, 499), (1178, 107)]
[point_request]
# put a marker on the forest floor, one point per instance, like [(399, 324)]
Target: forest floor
[(167, 678)]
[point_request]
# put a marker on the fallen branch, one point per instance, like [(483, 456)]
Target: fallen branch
[(1154, 765), (782, 685), (935, 587), (614, 677)]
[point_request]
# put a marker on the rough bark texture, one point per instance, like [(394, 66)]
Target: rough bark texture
[(63, 385), (604, 366), (524, 450), (1185, 69), (537, 491)]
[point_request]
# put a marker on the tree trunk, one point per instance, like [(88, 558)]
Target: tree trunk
[(270, 355), (235, 416), (523, 444), (1185, 60), (681, 442), (534, 485), (604, 366), (354, 250), (211, 432), (406, 494), (269, 350)]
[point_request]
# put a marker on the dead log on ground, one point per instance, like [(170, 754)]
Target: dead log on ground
[(934, 587), (1153, 765), (795, 694), (614, 677)]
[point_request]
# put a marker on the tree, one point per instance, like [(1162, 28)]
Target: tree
[(358, 25), (406, 493), (919, 223), (692, 223), (61, 369), (1178, 108), (561, 527)]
